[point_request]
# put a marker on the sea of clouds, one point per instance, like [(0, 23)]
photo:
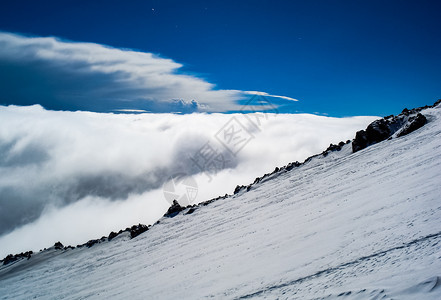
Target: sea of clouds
[(74, 176)]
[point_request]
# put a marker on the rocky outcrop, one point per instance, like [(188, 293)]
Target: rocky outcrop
[(58, 245), (414, 123), (112, 235), (12, 258), (333, 147), (136, 230), (174, 209), (404, 123)]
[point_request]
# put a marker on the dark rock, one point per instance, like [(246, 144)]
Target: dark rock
[(205, 203), (112, 235), (91, 243), (11, 258), (292, 165), (414, 124), (136, 230), (360, 141), (190, 211), (8, 259), (383, 129), (378, 131), (332, 148), (309, 159), (237, 189), (402, 124), (58, 245), (174, 209)]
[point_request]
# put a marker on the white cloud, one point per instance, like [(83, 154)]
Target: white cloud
[(269, 95), (73, 176), (66, 75)]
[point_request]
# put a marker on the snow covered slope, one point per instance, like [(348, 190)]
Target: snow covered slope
[(364, 225)]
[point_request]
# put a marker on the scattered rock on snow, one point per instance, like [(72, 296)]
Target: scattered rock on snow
[(11, 258), (413, 124), (174, 209), (58, 245), (112, 235), (136, 230), (404, 123)]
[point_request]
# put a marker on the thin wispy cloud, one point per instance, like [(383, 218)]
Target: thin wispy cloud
[(66, 75), (269, 95)]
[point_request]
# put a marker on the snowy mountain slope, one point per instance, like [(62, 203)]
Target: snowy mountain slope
[(363, 225)]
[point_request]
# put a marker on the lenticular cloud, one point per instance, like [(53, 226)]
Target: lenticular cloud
[(73, 176), (66, 75)]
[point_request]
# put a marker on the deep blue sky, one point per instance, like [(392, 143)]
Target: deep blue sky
[(337, 57)]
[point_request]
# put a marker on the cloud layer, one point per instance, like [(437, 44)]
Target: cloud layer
[(64, 75), (73, 176), (86, 76)]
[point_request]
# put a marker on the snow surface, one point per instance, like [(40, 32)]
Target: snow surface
[(346, 226)]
